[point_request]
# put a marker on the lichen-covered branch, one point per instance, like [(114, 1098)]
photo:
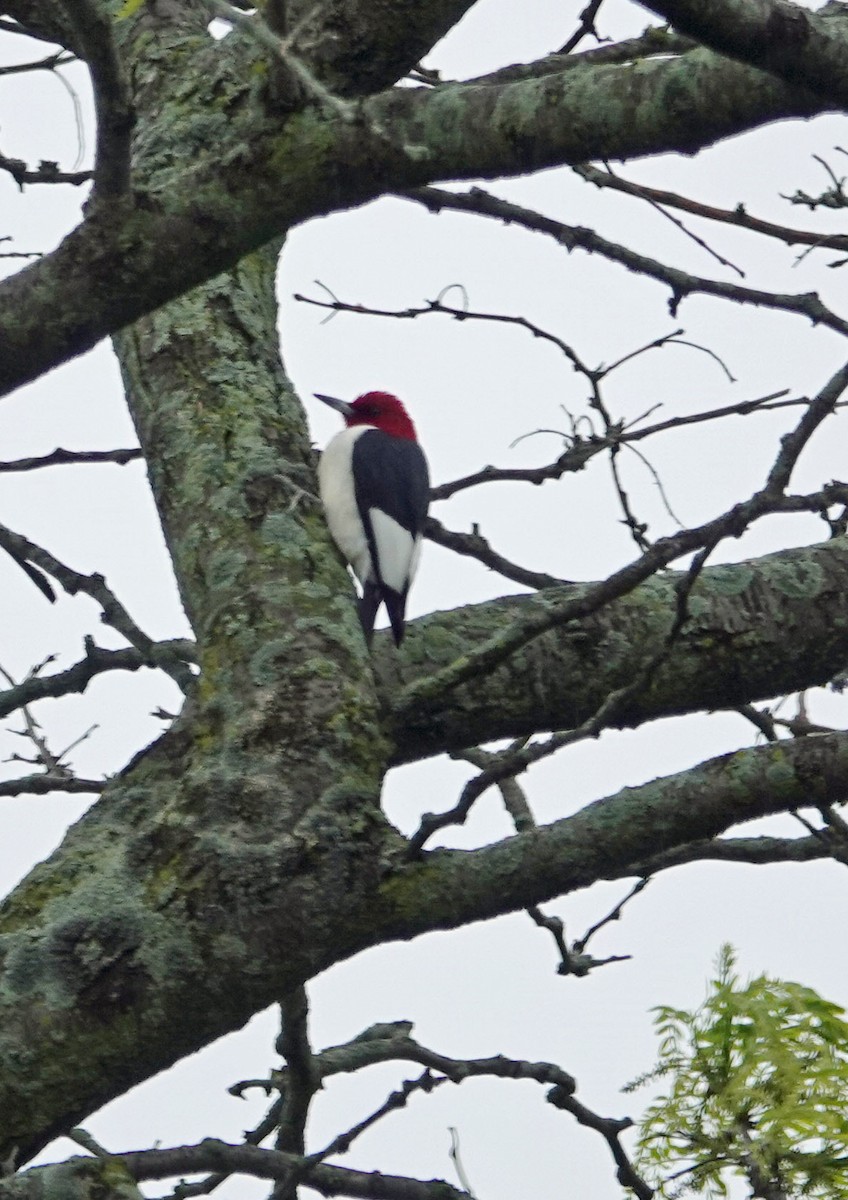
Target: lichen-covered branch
[(616, 836), (202, 211), (803, 48)]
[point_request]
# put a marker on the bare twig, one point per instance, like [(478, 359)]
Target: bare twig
[(611, 1130), (474, 545), (61, 458), (113, 612), (75, 679), (754, 850), (614, 915), (572, 237), (582, 450), (426, 1082), (83, 1138), (46, 172), (438, 308), (254, 1137), (736, 216), (49, 63)]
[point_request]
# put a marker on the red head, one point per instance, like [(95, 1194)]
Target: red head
[(379, 409)]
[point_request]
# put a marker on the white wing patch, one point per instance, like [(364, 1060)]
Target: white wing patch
[(397, 550)]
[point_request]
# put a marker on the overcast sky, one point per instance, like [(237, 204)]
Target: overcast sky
[(472, 391)]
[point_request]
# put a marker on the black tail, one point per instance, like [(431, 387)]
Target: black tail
[(375, 594), (370, 601), (396, 608)]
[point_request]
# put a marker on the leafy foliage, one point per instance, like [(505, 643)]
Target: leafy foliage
[(758, 1088)]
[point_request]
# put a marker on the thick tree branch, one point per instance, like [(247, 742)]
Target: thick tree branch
[(649, 820), (111, 1178), (801, 47), (46, 784), (93, 24), (763, 628), (136, 257), (356, 46)]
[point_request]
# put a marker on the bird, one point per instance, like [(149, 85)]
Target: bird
[(375, 487)]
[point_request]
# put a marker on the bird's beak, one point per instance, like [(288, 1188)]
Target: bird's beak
[(340, 406)]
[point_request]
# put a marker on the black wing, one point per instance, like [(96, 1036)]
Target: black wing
[(391, 474)]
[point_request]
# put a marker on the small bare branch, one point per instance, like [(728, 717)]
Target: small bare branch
[(83, 1138), (737, 216), (49, 63), (572, 237), (426, 1082), (301, 1079), (113, 612), (614, 915), (610, 1129), (474, 545), (457, 1161), (61, 458), (45, 172)]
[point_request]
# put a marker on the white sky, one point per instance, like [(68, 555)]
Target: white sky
[(472, 391)]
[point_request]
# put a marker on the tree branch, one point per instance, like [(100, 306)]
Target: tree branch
[(681, 283), (786, 609), (803, 48), (134, 258), (115, 114), (47, 783), (726, 216), (660, 817), (80, 1178), (474, 545), (61, 458), (97, 661), (704, 538), (113, 612)]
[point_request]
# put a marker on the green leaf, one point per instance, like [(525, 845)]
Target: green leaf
[(757, 1085)]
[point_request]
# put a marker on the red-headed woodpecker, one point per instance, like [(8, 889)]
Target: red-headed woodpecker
[(375, 488)]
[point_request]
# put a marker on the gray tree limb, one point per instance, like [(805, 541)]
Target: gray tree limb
[(801, 47), (197, 213)]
